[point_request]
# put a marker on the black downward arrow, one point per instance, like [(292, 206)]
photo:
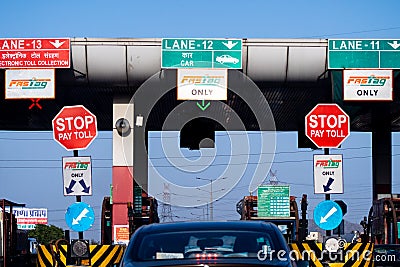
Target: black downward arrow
[(69, 188), (327, 187), (85, 188)]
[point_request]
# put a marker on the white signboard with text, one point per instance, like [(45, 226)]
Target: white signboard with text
[(202, 84), (77, 174), (368, 85), (27, 218), (328, 174), (121, 234), (30, 83)]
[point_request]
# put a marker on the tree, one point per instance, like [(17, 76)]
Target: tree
[(45, 233)]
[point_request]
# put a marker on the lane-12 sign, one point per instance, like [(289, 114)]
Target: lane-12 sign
[(77, 176), (178, 53)]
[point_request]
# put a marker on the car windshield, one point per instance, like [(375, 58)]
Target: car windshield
[(203, 245)]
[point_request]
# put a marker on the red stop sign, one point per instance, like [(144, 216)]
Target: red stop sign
[(327, 125), (74, 127)]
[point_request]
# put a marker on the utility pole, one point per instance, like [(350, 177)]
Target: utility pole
[(211, 194)]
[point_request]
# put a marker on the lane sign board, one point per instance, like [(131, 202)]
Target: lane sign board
[(20, 53), (328, 215), (30, 83), (178, 53), (327, 125), (363, 54), (368, 85), (273, 201), (328, 174), (77, 176), (79, 216), (202, 84), (74, 127)]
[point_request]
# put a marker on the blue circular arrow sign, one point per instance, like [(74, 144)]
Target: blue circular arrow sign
[(79, 216), (328, 215)]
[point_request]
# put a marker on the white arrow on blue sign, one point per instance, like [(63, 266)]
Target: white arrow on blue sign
[(79, 216), (328, 215)]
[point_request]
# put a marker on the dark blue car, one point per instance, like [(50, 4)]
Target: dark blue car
[(207, 244)]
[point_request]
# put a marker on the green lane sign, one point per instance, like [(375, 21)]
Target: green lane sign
[(364, 54), (201, 53), (273, 201)]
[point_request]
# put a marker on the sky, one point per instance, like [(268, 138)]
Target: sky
[(32, 175)]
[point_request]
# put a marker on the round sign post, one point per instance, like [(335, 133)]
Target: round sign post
[(327, 125), (74, 127)]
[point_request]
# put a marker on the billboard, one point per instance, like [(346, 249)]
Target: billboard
[(27, 218), (273, 201)]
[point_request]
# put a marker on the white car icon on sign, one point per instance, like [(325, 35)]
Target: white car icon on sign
[(226, 59)]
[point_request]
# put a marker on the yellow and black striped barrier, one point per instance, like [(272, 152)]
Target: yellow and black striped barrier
[(351, 255), (99, 256), (46, 255)]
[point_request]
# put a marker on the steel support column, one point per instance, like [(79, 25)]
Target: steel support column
[(381, 151)]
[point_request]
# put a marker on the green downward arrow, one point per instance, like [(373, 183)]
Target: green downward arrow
[(203, 106)]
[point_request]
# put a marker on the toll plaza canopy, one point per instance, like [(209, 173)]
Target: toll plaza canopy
[(292, 74)]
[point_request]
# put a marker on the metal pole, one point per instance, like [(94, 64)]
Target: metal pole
[(4, 233), (78, 198), (211, 204), (327, 196)]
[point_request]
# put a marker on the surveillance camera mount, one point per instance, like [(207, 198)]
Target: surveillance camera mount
[(123, 127)]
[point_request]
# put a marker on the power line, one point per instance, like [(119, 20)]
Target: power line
[(355, 32)]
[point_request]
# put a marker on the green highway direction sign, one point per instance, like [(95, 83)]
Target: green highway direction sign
[(363, 54), (273, 201), (201, 53)]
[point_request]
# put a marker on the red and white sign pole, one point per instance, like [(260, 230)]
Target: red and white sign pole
[(74, 128), (327, 126)]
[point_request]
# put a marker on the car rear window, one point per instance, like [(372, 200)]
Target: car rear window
[(207, 244)]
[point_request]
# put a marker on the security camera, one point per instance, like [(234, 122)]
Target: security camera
[(123, 127)]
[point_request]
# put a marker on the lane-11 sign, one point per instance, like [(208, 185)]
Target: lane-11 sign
[(178, 53), (34, 53), (364, 54)]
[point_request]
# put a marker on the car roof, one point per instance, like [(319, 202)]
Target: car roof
[(220, 225)]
